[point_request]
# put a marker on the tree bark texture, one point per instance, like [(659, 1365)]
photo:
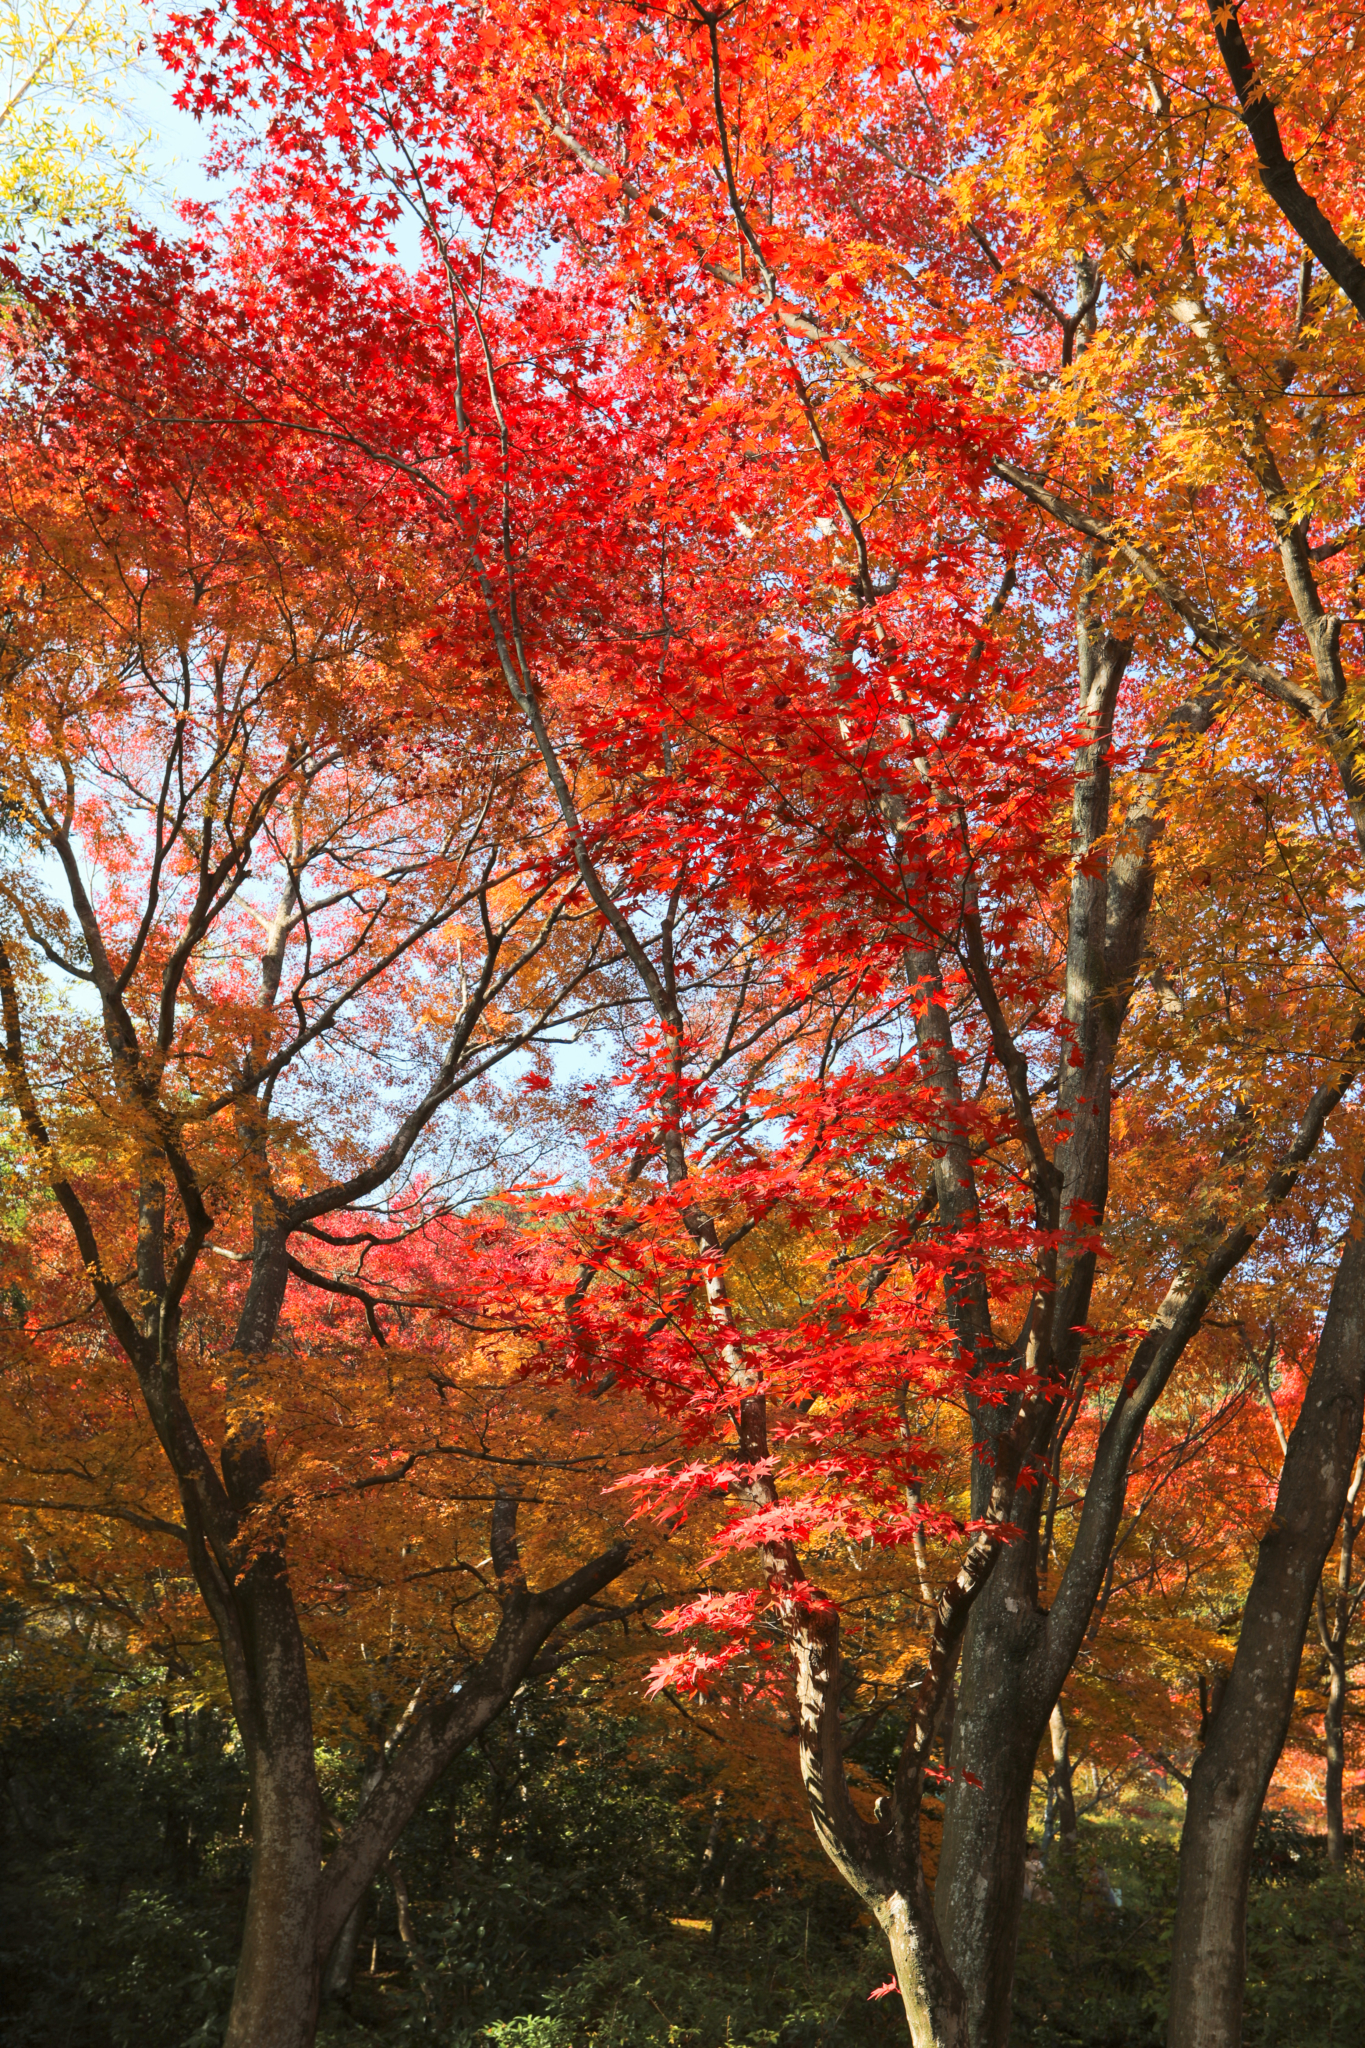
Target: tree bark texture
[(275, 1998), (996, 1730), (935, 2008), (1231, 1774)]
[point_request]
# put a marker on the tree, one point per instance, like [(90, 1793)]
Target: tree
[(1335, 1613), (829, 266), (1260, 463), (299, 932), (64, 61)]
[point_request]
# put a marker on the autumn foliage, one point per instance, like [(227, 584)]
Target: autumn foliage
[(679, 925)]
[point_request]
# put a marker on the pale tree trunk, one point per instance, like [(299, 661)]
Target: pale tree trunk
[(1335, 1633), (881, 1861), (1246, 1733), (1061, 1792), (935, 2009), (407, 1933), (1334, 1730)]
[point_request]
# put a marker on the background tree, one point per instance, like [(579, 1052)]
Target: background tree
[(70, 149)]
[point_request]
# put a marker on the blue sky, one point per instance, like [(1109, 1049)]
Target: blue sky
[(177, 144), (177, 147)]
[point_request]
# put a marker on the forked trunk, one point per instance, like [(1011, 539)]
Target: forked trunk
[(1246, 1734)]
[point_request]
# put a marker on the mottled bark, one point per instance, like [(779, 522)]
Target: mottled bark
[(1247, 1731), (980, 1890), (275, 1997), (935, 2008)]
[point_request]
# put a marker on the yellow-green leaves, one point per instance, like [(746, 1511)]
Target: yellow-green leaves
[(69, 147)]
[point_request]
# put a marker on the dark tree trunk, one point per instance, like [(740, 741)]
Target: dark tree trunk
[(1016, 1656), (339, 1975), (1335, 1631), (996, 1732), (1247, 1730), (297, 1909), (711, 1854)]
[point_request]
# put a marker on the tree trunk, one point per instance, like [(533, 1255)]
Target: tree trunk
[(881, 1861), (296, 1909), (934, 2004), (1334, 1730), (997, 1728), (1247, 1731), (1336, 1635), (711, 1854), (275, 1995), (339, 1974), (1061, 1793), (407, 1932)]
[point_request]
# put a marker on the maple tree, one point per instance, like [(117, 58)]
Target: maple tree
[(754, 440), (814, 256), (271, 900), (1336, 1605), (246, 1097)]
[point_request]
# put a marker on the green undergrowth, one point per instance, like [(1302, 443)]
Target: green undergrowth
[(1093, 1974), (560, 1899)]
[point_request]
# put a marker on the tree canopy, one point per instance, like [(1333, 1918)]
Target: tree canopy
[(679, 932)]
